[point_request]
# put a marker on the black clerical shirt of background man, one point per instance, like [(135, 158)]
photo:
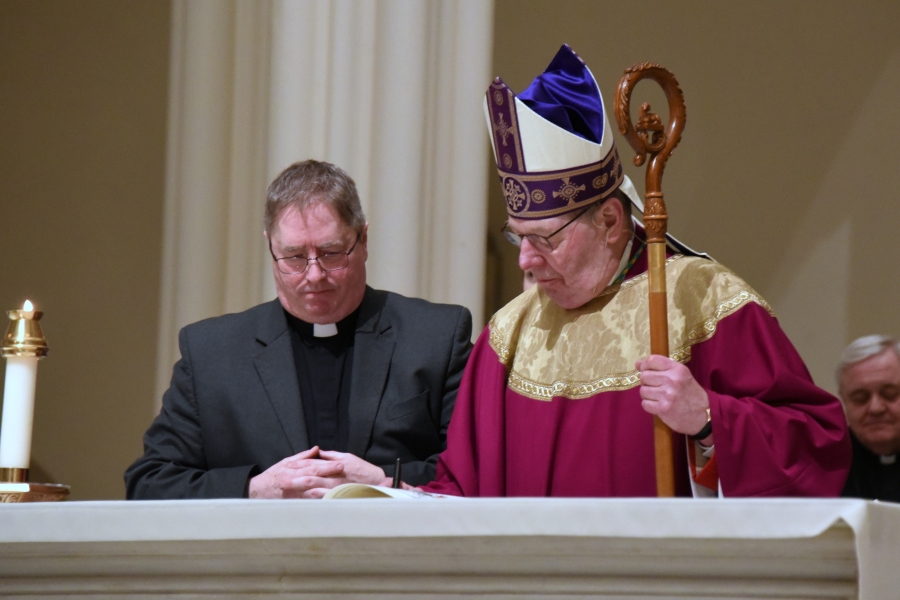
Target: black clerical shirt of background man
[(330, 384)]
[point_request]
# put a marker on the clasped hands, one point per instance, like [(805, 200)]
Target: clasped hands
[(669, 391), (310, 474)]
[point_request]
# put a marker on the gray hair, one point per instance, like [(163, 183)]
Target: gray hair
[(863, 348), (310, 181)]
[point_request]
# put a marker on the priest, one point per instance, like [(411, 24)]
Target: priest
[(868, 379), (560, 391), (330, 383)]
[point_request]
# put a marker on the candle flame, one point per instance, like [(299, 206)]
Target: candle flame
[(28, 306)]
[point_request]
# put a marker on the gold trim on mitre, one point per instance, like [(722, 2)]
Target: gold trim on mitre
[(553, 352)]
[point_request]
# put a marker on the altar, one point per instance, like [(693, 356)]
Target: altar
[(446, 548)]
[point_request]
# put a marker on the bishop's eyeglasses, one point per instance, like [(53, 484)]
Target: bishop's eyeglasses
[(540, 242), (329, 261)]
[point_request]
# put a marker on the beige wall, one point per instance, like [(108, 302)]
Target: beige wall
[(82, 140), (785, 171)]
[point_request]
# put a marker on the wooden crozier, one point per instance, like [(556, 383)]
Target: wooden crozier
[(650, 137)]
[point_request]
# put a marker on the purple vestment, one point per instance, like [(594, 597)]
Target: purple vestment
[(528, 423)]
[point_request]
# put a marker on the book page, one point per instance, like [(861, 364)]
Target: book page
[(363, 490)]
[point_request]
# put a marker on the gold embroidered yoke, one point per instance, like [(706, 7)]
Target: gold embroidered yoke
[(552, 352)]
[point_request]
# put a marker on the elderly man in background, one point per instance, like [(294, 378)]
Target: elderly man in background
[(559, 394), (868, 379), (328, 384)]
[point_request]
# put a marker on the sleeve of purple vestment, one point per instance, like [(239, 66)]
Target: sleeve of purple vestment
[(776, 433), (476, 430)]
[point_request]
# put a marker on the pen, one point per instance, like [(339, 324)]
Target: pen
[(396, 482)]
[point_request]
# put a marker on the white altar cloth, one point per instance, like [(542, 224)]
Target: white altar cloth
[(547, 547)]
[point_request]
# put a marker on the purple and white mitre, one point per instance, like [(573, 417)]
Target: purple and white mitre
[(553, 145)]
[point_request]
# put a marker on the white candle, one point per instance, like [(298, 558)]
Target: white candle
[(18, 411), (18, 399)]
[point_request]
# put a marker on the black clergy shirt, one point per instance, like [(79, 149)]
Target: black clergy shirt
[(324, 367), (871, 477)]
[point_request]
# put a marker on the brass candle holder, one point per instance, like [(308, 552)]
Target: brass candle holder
[(24, 338)]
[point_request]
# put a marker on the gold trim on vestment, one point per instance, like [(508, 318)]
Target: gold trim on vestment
[(606, 337), (705, 330), (499, 347), (572, 389)]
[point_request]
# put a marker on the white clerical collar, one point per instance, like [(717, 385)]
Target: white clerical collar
[(888, 459), (626, 256), (325, 330)]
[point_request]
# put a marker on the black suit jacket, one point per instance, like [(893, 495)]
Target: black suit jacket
[(233, 408)]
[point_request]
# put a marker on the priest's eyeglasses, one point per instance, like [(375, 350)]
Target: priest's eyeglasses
[(329, 261), (540, 242)]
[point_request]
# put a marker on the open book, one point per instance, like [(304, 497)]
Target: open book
[(364, 490)]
